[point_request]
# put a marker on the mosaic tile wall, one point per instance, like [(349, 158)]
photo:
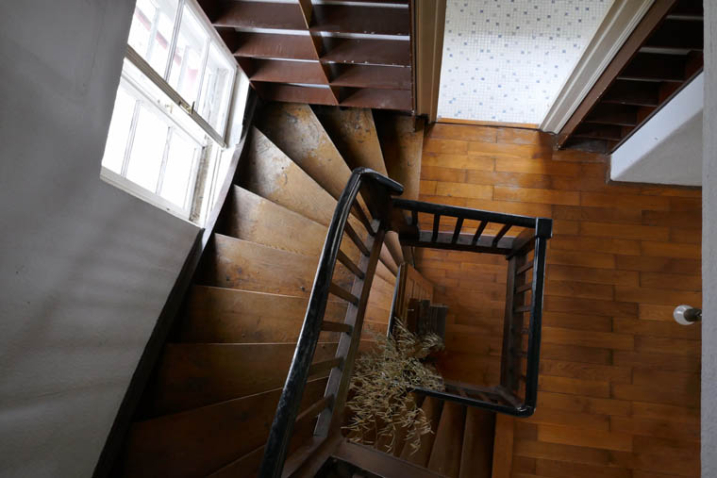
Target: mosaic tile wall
[(506, 60)]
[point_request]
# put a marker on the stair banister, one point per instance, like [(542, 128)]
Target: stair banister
[(376, 190)]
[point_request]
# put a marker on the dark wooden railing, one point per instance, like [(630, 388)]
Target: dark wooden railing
[(375, 190), (525, 252)]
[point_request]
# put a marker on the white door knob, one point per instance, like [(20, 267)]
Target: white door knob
[(687, 315)]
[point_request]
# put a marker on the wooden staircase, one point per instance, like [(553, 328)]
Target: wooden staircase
[(209, 406), (460, 447)]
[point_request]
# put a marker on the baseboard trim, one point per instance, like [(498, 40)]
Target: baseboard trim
[(492, 124)]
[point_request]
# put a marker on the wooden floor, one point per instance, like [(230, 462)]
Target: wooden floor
[(620, 385)]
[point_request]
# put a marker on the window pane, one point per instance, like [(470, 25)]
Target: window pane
[(119, 131), (151, 31), (145, 160), (186, 71), (216, 89), (179, 170)]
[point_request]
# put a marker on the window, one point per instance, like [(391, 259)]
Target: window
[(170, 137)]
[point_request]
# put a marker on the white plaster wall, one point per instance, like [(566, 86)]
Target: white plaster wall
[(84, 268), (668, 148), (709, 249)]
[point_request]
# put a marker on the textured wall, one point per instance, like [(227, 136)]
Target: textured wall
[(709, 249), (85, 268), (506, 61)]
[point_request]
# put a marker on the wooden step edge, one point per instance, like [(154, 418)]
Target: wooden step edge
[(206, 437), (277, 240), (227, 315), (447, 446), (380, 463)]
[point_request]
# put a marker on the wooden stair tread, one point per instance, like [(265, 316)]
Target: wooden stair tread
[(354, 134), (220, 315), (295, 130), (477, 450), (249, 464), (353, 131), (402, 149), (246, 265), (432, 408), (254, 218), (194, 375), (270, 173), (244, 467), (380, 463), (446, 454), (200, 441)]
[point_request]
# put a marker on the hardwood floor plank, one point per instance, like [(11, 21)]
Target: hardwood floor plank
[(617, 374), (588, 438)]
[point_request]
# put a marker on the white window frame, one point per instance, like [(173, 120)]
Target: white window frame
[(214, 143), (161, 81), (144, 99)]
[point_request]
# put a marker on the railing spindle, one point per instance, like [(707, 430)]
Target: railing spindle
[(479, 231), (457, 232), (500, 235), (356, 239)]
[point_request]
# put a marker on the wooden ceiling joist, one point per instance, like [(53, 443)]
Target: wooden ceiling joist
[(357, 19), (294, 94), (283, 71), (370, 76), (247, 15), (273, 46), (359, 52), (637, 93), (375, 52), (677, 34), (660, 57), (655, 67), (378, 99)]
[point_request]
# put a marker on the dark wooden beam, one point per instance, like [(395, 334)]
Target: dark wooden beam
[(382, 77), (356, 19), (637, 38), (639, 93), (621, 115), (286, 71), (688, 9), (678, 34), (655, 67), (267, 45), (286, 16), (375, 52), (600, 131), (294, 94), (400, 100)]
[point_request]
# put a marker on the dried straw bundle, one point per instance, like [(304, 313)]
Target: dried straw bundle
[(381, 404)]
